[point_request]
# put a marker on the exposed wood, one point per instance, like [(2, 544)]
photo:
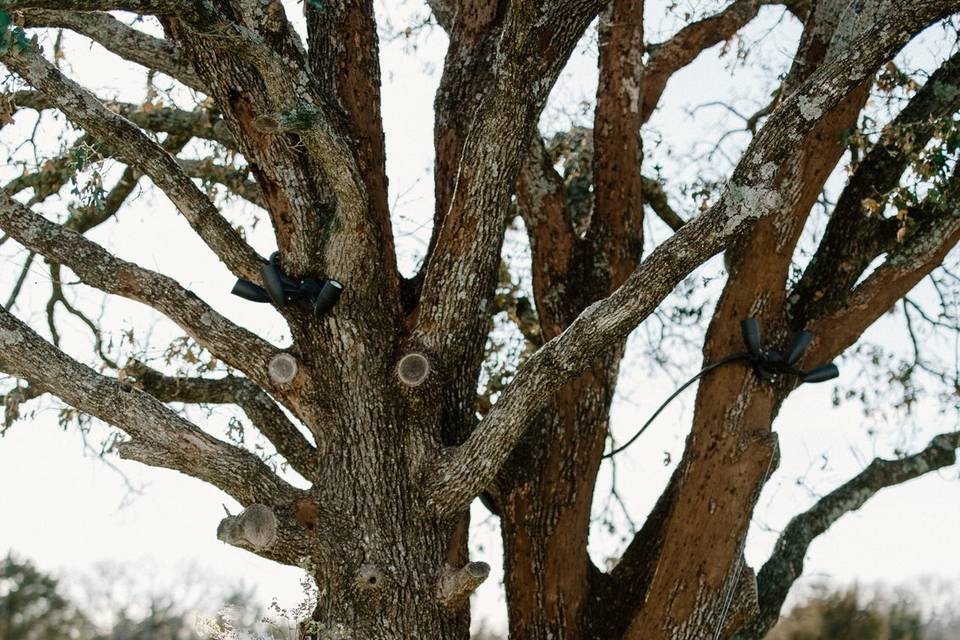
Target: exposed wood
[(456, 585)]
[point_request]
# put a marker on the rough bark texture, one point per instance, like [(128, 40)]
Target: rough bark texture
[(393, 460)]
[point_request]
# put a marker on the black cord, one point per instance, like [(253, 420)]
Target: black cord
[(707, 369)]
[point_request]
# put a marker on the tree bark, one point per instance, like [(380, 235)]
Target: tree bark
[(394, 459)]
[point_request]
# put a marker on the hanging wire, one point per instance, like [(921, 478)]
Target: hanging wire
[(707, 369), (768, 364)]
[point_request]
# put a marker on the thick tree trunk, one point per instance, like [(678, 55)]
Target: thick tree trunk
[(546, 509), (383, 527), (385, 585), (380, 563)]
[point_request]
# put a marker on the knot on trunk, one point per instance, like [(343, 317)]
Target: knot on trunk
[(370, 578), (456, 585), (253, 528)]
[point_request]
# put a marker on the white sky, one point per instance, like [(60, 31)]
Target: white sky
[(67, 511)]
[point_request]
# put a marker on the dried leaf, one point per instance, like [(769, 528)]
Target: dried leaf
[(870, 206)]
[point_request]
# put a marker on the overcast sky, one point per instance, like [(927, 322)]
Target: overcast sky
[(67, 511)]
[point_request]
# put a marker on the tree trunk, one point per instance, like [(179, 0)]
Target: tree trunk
[(545, 517), (393, 457)]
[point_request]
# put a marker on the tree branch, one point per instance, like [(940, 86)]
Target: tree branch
[(919, 254), (53, 174), (655, 196), (235, 180), (462, 269), (13, 400), (686, 45), (852, 240), (786, 563), (194, 9), (266, 416), (120, 39), (475, 27), (616, 225), (18, 285), (137, 150), (344, 54), (444, 11), (172, 441), (554, 244), (451, 318), (233, 345), (200, 123), (354, 242), (761, 185)]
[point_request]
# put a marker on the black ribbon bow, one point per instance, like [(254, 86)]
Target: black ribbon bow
[(317, 295), (767, 363)]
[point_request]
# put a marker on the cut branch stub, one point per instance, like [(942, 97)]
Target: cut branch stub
[(413, 369), (456, 585), (283, 368), (253, 528)]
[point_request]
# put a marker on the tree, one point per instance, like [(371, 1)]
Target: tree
[(849, 613), (32, 608), (397, 453)]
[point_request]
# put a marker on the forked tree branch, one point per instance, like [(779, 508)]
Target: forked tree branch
[(115, 36), (668, 57), (786, 563), (193, 9), (262, 411), (905, 266), (158, 432), (344, 56), (462, 268), (200, 123), (762, 185), (308, 114), (355, 242), (138, 150), (852, 238), (96, 267)]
